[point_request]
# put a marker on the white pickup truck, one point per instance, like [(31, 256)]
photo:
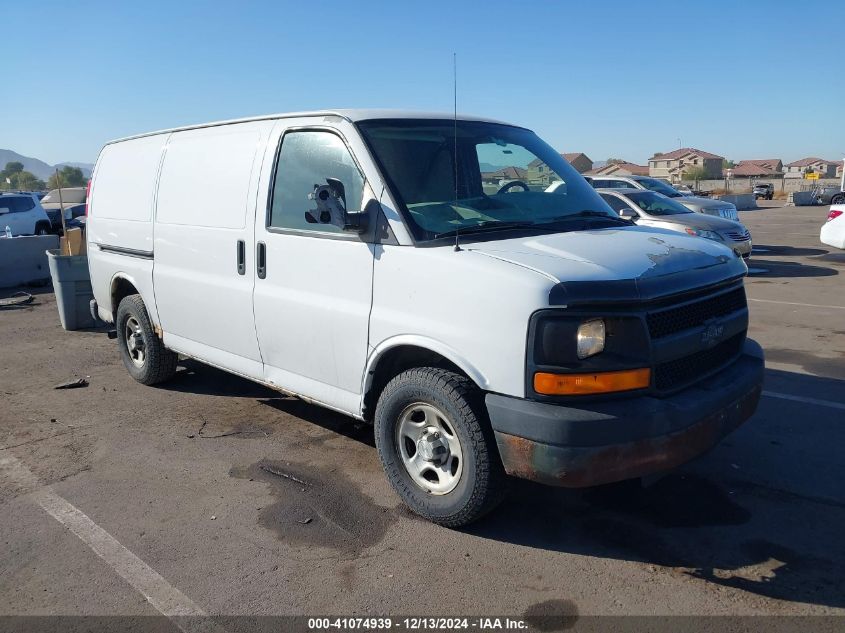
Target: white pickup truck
[(376, 263)]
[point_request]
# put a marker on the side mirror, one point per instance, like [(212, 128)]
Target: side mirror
[(331, 208), (629, 214)]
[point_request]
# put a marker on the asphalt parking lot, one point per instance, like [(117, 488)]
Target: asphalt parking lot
[(221, 497)]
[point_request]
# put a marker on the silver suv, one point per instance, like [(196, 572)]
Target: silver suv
[(23, 214), (699, 205)]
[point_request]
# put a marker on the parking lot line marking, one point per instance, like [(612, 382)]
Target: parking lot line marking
[(816, 401), (794, 303), (163, 596)]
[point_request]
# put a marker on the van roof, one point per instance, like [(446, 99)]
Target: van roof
[(353, 115)]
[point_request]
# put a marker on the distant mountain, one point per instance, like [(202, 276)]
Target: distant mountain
[(39, 167)]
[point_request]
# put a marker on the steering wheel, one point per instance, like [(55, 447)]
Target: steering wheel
[(512, 183)]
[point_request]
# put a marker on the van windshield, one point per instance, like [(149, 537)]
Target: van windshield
[(474, 176)]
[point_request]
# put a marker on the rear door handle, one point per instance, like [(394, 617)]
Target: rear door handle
[(241, 257), (261, 260)]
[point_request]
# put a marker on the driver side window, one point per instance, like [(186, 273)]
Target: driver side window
[(307, 158), (617, 204)]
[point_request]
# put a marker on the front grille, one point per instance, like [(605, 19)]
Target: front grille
[(683, 371), (739, 236), (677, 319)]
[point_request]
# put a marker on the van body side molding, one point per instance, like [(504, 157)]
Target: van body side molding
[(129, 252)]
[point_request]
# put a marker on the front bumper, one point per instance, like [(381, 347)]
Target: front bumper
[(601, 442), (742, 248)]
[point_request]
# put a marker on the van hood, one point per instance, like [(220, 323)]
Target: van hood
[(639, 262)]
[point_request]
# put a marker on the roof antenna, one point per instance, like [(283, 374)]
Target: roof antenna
[(455, 155)]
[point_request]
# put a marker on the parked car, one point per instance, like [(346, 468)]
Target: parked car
[(829, 195), (697, 204), (649, 208), (765, 190), (683, 190), (23, 214), (523, 332), (833, 230), (71, 198)]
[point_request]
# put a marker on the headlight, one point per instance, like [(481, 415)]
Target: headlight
[(590, 338), (708, 235)]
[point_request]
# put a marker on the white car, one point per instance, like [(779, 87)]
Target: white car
[(520, 332), (833, 231), (23, 214)]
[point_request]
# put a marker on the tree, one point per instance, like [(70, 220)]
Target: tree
[(70, 177), (29, 182), (728, 164), (615, 161), (18, 178), (695, 173)]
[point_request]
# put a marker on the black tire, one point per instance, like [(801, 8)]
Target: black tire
[(158, 363), (42, 228), (838, 199), (482, 483)]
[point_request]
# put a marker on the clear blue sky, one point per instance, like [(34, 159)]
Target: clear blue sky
[(624, 79)]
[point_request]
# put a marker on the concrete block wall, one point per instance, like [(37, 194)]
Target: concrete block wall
[(744, 185), (742, 201), (23, 260)]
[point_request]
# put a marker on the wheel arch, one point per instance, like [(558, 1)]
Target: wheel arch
[(395, 355), (122, 285)]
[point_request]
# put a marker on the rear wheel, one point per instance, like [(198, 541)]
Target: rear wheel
[(436, 446), (144, 355)]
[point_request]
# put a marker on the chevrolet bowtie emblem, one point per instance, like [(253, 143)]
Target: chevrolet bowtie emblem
[(712, 333)]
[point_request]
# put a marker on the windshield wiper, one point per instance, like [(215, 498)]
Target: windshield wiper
[(484, 226)]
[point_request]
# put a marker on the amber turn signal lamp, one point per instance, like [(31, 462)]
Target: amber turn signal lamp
[(583, 384)]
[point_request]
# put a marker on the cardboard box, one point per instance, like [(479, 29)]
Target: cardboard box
[(73, 242)]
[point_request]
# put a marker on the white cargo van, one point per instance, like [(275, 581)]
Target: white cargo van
[(455, 282)]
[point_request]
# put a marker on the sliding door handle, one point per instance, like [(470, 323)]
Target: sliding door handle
[(261, 260), (241, 257)]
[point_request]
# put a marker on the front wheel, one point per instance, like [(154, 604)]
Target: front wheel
[(144, 355), (42, 228), (436, 446), (838, 199)]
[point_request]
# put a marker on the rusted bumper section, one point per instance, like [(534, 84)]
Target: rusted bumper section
[(602, 442)]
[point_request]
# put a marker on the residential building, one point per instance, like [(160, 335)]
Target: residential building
[(769, 167), (540, 174), (506, 173), (579, 161), (797, 169), (673, 165), (619, 169)]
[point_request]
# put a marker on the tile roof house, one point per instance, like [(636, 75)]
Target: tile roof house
[(540, 174), (764, 166), (505, 173), (797, 169), (673, 165), (579, 161), (619, 169)]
